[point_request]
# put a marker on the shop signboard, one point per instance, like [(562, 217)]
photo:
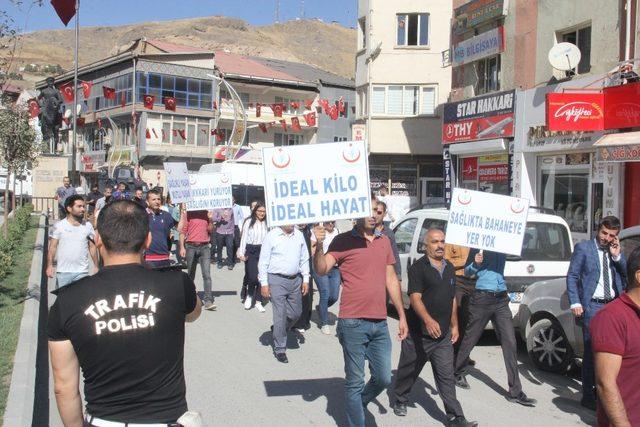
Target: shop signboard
[(474, 13), (575, 111), (493, 173), (481, 46), (300, 189), (448, 175), (622, 106), (541, 139), (618, 153), (487, 221), (358, 132), (483, 117)]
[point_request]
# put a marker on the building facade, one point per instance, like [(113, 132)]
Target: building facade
[(400, 86)]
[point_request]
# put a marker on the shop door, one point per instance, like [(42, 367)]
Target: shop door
[(432, 192)]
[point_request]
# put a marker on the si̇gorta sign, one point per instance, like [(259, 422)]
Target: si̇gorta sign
[(315, 183), (487, 221), (209, 191), (178, 181)]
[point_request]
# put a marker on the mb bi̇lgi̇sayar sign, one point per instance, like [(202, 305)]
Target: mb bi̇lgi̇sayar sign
[(315, 183), (487, 221)]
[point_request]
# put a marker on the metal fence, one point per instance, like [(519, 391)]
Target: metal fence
[(45, 205)]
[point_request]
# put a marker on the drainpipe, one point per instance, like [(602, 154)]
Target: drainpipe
[(627, 46)]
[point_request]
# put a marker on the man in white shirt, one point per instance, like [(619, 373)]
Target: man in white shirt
[(283, 271), (596, 277), (71, 244)]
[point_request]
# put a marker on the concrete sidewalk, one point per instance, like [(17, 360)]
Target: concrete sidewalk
[(234, 380)]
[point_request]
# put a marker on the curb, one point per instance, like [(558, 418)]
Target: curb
[(19, 410)]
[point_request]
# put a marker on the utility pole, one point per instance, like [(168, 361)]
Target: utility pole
[(277, 12)]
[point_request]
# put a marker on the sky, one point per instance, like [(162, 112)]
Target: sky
[(120, 12)]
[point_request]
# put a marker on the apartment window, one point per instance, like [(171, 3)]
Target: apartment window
[(190, 93), (403, 100), (284, 139), (488, 71), (287, 104), (362, 33), (339, 138), (582, 38), (412, 29)]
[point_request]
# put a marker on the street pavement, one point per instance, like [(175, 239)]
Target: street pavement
[(234, 380)]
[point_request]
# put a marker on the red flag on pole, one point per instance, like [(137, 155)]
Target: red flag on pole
[(308, 103), (109, 92), (258, 110), (149, 100), (169, 103), (34, 107), (310, 118), (295, 124), (66, 9), (263, 127), (86, 89), (277, 109), (283, 122), (67, 91)]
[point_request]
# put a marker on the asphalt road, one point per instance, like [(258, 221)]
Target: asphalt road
[(234, 380)]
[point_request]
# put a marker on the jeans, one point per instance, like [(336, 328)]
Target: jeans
[(225, 240), (200, 254), (329, 288), (63, 278), (364, 340), (588, 369)]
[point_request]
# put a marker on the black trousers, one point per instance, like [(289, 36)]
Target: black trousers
[(225, 240), (304, 322), (250, 282), (464, 290), (485, 307), (417, 350)]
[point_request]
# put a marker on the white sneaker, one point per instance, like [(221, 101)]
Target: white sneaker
[(259, 307), (326, 329), (247, 303)]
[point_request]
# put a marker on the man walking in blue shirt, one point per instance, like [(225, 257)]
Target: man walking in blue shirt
[(490, 301)]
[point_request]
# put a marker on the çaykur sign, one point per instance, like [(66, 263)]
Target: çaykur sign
[(615, 107), (483, 117)]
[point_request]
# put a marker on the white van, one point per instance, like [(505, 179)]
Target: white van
[(546, 249)]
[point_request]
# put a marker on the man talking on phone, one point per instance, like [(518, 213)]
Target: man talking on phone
[(596, 277)]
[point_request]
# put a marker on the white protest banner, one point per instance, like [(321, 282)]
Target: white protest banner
[(487, 221), (177, 181), (315, 183), (209, 191)]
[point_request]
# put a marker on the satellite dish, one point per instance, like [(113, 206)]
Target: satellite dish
[(564, 56)]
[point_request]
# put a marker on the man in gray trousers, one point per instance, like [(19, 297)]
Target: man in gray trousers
[(283, 271)]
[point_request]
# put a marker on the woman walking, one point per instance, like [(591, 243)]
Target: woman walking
[(254, 230), (328, 285)]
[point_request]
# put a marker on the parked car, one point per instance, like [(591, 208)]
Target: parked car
[(545, 321), (546, 249)]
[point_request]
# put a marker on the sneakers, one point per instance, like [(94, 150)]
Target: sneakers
[(461, 381), (326, 329), (523, 400), (209, 305), (220, 266), (460, 421), (301, 331), (259, 307), (247, 303), (230, 267), (282, 358), (400, 409)]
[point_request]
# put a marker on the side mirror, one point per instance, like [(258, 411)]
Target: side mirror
[(421, 248)]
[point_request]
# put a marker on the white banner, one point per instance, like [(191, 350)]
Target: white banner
[(209, 191), (177, 181), (487, 221), (315, 183)]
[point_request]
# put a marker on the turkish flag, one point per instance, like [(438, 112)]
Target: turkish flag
[(169, 103), (86, 89), (258, 110), (295, 124), (148, 134), (109, 92), (263, 127), (277, 109), (308, 103), (80, 122), (325, 105), (66, 9), (283, 122), (34, 107), (149, 100), (295, 105), (333, 112), (182, 134), (340, 105), (310, 118), (67, 91)]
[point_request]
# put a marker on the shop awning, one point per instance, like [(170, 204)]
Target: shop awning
[(479, 147), (618, 147)]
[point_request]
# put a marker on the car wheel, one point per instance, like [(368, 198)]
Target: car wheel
[(548, 346)]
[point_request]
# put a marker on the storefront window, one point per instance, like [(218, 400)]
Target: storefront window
[(378, 176), (566, 192), (488, 173)]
